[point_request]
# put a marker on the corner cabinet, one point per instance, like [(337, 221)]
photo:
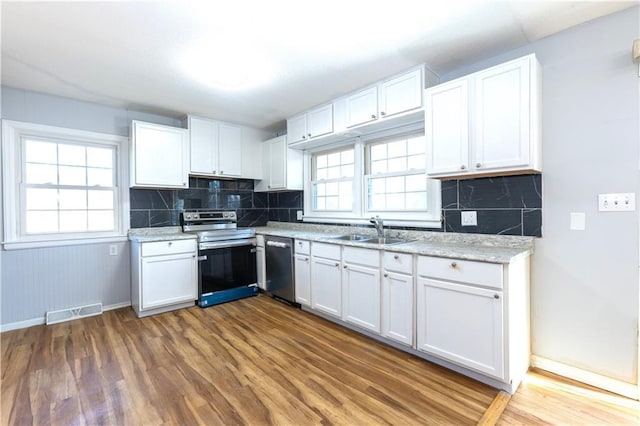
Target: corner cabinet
[(487, 123), (159, 156), (282, 167), (163, 276)]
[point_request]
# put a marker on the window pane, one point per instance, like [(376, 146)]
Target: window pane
[(100, 157), (100, 177), (101, 220), (333, 188), (395, 184), (321, 189), (73, 199), (332, 203), (72, 155), (334, 172), (417, 200), (321, 161), (41, 222), (347, 171), (333, 159), (379, 167), (378, 152), (40, 152), (321, 174), (416, 145), (376, 202), (41, 173), (395, 201), (397, 149), (320, 204), (73, 221), (42, 199), (347, 156), (377, 186), (100, 200), (416, 162), (416, 183), (397, 165), (72, 175)]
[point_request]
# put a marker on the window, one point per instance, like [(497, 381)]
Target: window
[(62, 185), (395, 178), (332, 183), (382, 175)]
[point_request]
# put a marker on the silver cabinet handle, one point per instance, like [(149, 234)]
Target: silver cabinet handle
[(454, 265), (304, 137), (382, 113), (221, 172), (462, 167), (478, 165), (345, 266), (337, 264), (170, 243), (386, 275), (373, 116), (496, 296), (214, 172), (396, 257), (309, 134)]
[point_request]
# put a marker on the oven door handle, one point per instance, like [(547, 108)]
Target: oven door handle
[(225, 244)]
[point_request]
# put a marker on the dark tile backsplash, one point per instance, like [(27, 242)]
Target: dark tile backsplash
[(156, 208), (506, 205)]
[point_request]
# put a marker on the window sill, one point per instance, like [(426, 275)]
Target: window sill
[(19, 245)]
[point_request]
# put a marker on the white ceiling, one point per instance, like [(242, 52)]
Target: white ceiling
[(276, 58)]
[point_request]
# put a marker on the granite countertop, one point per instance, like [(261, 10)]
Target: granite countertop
[(167, 233), (484, 248)]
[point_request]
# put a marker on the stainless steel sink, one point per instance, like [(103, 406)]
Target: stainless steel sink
[(352, 237), (384, 240)]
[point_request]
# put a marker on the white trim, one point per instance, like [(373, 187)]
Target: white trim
[(63, 242), (630, 390), (41, 320)]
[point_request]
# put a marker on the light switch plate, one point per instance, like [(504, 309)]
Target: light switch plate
[(299, 215), (623, 202), (469, 218)]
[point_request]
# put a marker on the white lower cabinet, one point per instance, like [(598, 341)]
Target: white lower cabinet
[(261, 265), (361, 287), (462, 323), (326, 283), (397, 307), (302, 272), (164, 276)]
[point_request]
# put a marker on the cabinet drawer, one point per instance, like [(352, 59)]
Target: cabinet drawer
[(465, 271), (361, 256), (302, 247), (397, 262), (328, 251), (159, 248)]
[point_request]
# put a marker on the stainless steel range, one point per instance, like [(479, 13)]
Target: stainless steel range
[(226, 256)]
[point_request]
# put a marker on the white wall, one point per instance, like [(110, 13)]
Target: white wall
[(585, 283), (35, 281)]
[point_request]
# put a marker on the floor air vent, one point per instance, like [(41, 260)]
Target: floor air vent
[(55, 317)]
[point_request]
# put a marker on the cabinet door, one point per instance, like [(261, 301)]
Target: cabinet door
[(362, 107), (297, 128), (320, 121), (397, 307), (502, 116), (204, 145), (303, 279), (159, 156), (361, 296), (167, 280), (447, 128), (401, 94), (278, 163), (229, 150), (326, 286), (462, 324)]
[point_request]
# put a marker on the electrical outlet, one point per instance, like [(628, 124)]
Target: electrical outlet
[(617, 202), (113, 250), (299, 215), (469, 218)]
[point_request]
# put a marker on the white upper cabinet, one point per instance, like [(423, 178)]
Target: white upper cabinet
[(216, 148), (313, 123), (159, 156), (487, 123), (282, 167), (362, 107), (389, 98)]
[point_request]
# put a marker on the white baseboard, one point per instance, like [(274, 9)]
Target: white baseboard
[(629, 390), (41, 320)]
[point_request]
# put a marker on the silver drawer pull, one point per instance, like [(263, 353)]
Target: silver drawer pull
[(396, 257), (454, 265), (496, 296)]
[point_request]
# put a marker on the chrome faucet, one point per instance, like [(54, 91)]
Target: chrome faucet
[(377, 222)]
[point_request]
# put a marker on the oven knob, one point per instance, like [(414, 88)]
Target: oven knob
[(187, 216), (225, 214)]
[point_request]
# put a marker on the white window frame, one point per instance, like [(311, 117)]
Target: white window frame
[(431, 218), (13, 132)]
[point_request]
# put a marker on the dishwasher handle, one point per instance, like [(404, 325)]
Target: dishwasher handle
[(277, 244)]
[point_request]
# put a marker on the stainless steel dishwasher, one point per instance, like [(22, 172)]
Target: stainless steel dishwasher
[(279, 260)]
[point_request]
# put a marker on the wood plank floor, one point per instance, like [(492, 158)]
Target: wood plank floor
[(257, 361), (254, 361)]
